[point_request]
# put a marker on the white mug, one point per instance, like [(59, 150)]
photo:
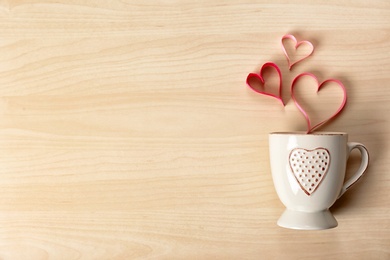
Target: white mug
[(308, 172)]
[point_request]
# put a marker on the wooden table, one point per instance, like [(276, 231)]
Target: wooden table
[(127, 130)]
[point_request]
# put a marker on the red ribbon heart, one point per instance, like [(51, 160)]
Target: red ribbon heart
[(261, 78), (309, 127), (297, 44)]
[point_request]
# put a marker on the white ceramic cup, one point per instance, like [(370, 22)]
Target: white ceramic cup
[(308, 172)]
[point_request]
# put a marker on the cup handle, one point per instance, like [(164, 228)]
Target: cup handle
[(363, 166)]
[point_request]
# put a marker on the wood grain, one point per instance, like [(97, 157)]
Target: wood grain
[(127, 131)]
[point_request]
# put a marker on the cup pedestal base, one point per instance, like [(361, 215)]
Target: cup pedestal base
[(307, 220)]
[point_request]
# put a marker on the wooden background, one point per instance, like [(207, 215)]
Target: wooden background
[(127, 130)]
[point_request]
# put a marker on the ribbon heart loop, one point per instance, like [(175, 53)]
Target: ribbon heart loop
[(297, 45), (311, 128), (260, 77)]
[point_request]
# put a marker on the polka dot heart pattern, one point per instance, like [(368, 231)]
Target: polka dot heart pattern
[(309, 167)]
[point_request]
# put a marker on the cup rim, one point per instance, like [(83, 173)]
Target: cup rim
[(320, 133)]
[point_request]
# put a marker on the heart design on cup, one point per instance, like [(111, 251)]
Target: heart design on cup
[(297, 45), (259, 78), (310, 128), (309, 167)]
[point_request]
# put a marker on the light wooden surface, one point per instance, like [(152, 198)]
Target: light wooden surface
[(127, 130)]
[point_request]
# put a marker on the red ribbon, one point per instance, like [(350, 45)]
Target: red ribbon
[(260, 77)]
